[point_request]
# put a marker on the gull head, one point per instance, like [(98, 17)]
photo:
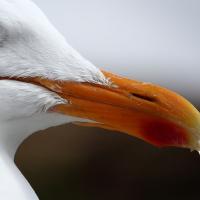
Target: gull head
[(41, 73)]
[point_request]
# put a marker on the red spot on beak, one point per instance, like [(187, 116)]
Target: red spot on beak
[(164, 133)]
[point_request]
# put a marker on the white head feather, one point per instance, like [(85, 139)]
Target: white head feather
[(30, 46)]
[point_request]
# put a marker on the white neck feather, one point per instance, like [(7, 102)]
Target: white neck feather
[(30, 46), (13, 184), (12, 134)]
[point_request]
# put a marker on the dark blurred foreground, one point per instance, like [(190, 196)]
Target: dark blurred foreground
[(77, 163)]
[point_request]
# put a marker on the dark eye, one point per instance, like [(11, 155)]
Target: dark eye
[(144, 97)]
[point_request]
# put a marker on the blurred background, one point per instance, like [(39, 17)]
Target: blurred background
[(151, 40)]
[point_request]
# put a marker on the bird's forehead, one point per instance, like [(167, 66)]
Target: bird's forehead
[(35, 48), (21, 13), (17, 8)]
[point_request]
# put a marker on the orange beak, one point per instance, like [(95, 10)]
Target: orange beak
[(152, 113)]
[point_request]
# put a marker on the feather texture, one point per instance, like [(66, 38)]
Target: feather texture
[(31, 46)]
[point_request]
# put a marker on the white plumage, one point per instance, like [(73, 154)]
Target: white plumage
[(31, 46), (41, 75)]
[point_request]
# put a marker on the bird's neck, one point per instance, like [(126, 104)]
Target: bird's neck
[(12, 183), (12, 133)]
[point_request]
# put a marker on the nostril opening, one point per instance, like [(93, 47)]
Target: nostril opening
[(143, 97)]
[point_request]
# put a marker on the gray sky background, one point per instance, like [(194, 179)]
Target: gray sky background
[(153, 40)]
